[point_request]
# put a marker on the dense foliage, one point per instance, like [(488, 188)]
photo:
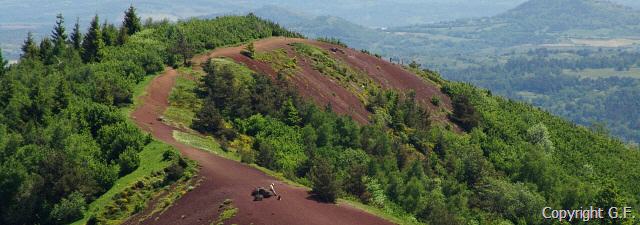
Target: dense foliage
[(512, 161), (596, 88), (63, 140)]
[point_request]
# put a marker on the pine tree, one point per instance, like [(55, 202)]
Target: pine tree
[(182, 47), (325, 185), (76, 36), (109, 34), (122, 36), (291, 113), (46, 51), (130, 25), (464, 113), (3, 64), (59, 36), (29, 48), (93, 43)]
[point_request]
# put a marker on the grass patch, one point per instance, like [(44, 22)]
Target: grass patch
[(152, 162), (240, 71), (183, 100), (279, 61), (604, 73), (390, 213), (205, 143), (226, 211)]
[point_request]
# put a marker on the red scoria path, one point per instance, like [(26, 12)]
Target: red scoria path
[(227, 179)]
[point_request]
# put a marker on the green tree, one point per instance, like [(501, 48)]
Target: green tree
[(93, 44), (59, 36), (182, 47), (47, 51), (130, 25), (3, 64), (117, 138), (208, 120), (539, 135), (131, 21), (291, 113), (323, 177), (76, 36), (29, 48), (69, 209), (128, 161), (109, 34), (609, 196), (464, 113), (249, 50)]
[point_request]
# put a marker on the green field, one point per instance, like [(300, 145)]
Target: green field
[(604, 73)]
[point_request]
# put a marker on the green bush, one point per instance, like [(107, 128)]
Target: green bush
[(435, 101), (128, 161), (325, 185), (68, 209), (174, 172)]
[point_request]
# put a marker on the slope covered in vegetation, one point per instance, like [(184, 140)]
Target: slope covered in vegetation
[(63, 139), (510, 160)]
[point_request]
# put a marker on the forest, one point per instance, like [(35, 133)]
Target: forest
[(64, 139), (596, 88)]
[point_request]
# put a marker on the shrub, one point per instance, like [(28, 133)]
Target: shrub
[(435, 101), (128, 161), (69, 209), (174, 172), (249, 51), (464, 113), (325, 185), (170, 155)]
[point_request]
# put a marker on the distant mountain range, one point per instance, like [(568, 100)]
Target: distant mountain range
[(539, 22), (19, 17)]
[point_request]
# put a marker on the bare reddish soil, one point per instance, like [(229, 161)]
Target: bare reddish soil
[(310, 83), (227, 179), (324, 90)]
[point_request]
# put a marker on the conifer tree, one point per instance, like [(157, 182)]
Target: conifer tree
[(92, 44), (122, 36), (76, 36), (29, 48), (132, 21), (109, 34), (59, 36), (291, 113), (182, 47), (46, 51), (3, 64), (130, 25), (325, 185)]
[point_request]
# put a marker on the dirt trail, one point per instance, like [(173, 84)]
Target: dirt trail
[(227, 179)]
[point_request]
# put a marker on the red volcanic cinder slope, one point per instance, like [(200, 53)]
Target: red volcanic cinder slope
[(323, 90), (226, 179)]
